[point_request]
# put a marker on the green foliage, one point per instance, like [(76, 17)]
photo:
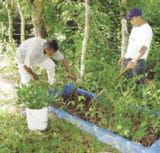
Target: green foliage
[(125, 108), (3, 12), (60, 137), (65, 21), (25, 8), (34, 96)]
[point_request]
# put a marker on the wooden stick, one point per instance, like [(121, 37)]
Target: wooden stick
[(124, 71)]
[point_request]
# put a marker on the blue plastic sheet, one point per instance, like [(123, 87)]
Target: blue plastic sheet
[(69, 88), (83, 92), (66, 90), (105, 136)]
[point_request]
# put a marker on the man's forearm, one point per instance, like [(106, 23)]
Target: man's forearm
[(66, 65), (141, 53), (132, 64), (29, 70)]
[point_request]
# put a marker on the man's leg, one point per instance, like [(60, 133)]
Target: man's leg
[(25, 76), (139, 69), (49, 65), (129, 73)]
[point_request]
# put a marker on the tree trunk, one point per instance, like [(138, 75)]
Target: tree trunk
[(37, 8), (22, 21), (9, 5), (124, 29), (85, 38), (2, 30)]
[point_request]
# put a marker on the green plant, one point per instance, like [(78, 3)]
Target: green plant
[(34, 96), (61, 135)]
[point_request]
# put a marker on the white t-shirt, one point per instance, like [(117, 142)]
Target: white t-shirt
[(140, 36), (31, 52)]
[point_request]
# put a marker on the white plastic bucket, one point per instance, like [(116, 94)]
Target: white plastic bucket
[(37, 119)]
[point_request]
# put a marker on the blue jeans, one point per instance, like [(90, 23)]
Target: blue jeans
[(139, 69)]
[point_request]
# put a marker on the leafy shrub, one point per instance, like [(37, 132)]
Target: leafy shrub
[(34, 96)]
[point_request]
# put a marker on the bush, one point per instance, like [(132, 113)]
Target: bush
[(34, 96)]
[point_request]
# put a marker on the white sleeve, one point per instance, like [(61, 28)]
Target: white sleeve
[(147, 38), (58, 56)]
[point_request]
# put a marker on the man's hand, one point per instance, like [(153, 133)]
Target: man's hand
[(72, 76), (35, 76), (132, 64)]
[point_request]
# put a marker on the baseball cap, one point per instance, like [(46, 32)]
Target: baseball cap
[(133, 12)]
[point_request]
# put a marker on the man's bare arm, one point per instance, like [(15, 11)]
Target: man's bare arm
[(132, 64), (29, 70), (67, 67)]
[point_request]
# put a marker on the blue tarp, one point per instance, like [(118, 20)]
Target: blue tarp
[(69, 88), (105, 136)]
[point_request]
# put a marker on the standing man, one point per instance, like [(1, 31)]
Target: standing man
[(37, 51), (134, 59)]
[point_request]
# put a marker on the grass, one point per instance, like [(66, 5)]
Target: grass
[(61, 137)]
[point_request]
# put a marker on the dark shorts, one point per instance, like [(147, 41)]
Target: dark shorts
[(139, 69)]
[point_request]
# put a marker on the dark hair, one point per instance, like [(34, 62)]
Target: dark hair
[(51, 44)]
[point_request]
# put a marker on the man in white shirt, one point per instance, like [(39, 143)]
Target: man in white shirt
[(37, 51), (134, 59)]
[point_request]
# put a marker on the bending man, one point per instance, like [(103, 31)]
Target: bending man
[(37, 51)]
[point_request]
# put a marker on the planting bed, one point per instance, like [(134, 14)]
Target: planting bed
[(93, 110)]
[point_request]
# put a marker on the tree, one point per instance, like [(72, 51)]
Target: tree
[(124, 29), (22, 20), (37, 8), (9, 6), (85, 38)]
